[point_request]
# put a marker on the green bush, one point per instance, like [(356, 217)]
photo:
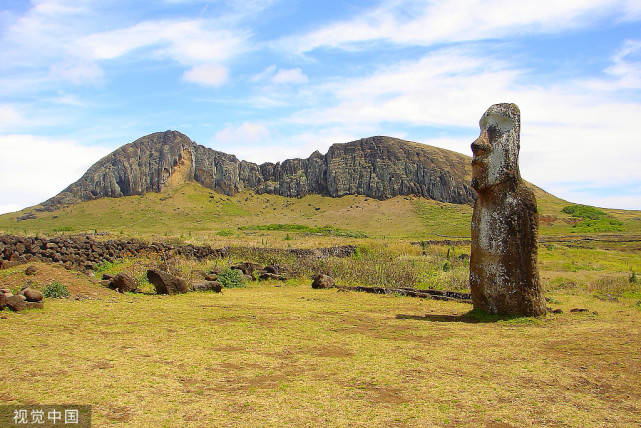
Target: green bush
[(55, 290), (231, 278)]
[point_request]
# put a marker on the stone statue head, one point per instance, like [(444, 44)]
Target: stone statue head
[(496, 150)]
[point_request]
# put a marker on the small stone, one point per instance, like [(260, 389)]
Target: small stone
[(123, 283), (576, 310), (207, 286), (323, 281), (3, 301), (211, 277), (16, 303), (166, 283), (34, 305), (31, 270), (106, 276), (32, 295)]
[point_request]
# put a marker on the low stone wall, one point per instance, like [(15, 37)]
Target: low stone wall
[(85, 252)]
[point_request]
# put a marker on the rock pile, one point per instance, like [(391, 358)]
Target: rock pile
[(27, 298)]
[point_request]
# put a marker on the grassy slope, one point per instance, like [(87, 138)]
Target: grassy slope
[(192, 210)]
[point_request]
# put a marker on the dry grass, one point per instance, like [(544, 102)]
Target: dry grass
[(294, 356)]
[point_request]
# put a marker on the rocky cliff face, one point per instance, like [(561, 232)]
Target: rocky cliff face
[(379, 167)]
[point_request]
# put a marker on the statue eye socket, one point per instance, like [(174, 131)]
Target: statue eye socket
[(492, 132)]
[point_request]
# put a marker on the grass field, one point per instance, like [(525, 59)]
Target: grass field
[(282, 354)]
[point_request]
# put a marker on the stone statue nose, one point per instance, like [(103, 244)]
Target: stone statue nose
[(481, 144)]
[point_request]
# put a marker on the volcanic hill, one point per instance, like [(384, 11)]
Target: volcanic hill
[(377, 167)]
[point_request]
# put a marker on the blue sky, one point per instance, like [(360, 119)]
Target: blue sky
[(269, 79)]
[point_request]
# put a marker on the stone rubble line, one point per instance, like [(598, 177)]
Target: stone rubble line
[(85, 252)]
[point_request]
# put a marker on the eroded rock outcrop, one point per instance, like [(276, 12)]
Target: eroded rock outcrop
[(379, 167), (503, 266)]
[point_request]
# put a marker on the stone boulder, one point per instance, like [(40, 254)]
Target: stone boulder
[(32, 295), (30, 270), (166, 283), (207, 286), (3, 301), (16, 303), (211, 277), (323, 281), (265, 276), (123, 283), (34, 305), (247, 268)]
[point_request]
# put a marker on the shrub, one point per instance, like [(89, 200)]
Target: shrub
[(584, 211), (55, 290), (231, 278), (594, 220)]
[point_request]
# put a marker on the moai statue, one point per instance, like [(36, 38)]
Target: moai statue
[(503, 266)]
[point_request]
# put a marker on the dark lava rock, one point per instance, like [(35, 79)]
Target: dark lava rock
[(16, 303), (32, 295), (207, 286), (123, 283), (166, 283), (107, 277), (577, 310), (264, 276), (323, 281), (211, 277), (3, 301), (30, 270), (247, 268)]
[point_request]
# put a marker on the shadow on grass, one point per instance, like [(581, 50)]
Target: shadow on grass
[(473, 317)]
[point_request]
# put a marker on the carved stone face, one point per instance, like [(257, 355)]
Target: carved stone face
[(496, 150)]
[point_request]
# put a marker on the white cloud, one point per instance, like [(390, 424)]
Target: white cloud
[(293, 76), (427, 23), (273, 74), (207, 75), (9, 117), (78, 72), (235, 136), (34, 168)]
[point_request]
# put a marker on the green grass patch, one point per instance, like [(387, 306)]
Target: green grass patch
[(594, 220), (300, 228)]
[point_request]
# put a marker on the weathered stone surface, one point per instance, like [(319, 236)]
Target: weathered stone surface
[(504, 276), (16, 303), (123, 283), (323, 281), (247, 268), (166, 283), (379, 167), (30, 270), (34, 305), (32, 295), (207, 286), (3, 301)]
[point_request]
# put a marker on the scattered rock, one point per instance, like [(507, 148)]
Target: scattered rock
[(30, 270), (323, 281), (247, 268), (32, 295), (576, 310), (215, 270), (166, 283), (555, 311), (3, 301), (34, 305), (211, 277), (123, 283), (207, 286), (107, 277), (271, 276), (16, 303)]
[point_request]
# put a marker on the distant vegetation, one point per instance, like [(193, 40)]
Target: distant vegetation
[(321, 230), (594, 220)]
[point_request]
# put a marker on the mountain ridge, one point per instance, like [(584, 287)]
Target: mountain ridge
[(379, 167)]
